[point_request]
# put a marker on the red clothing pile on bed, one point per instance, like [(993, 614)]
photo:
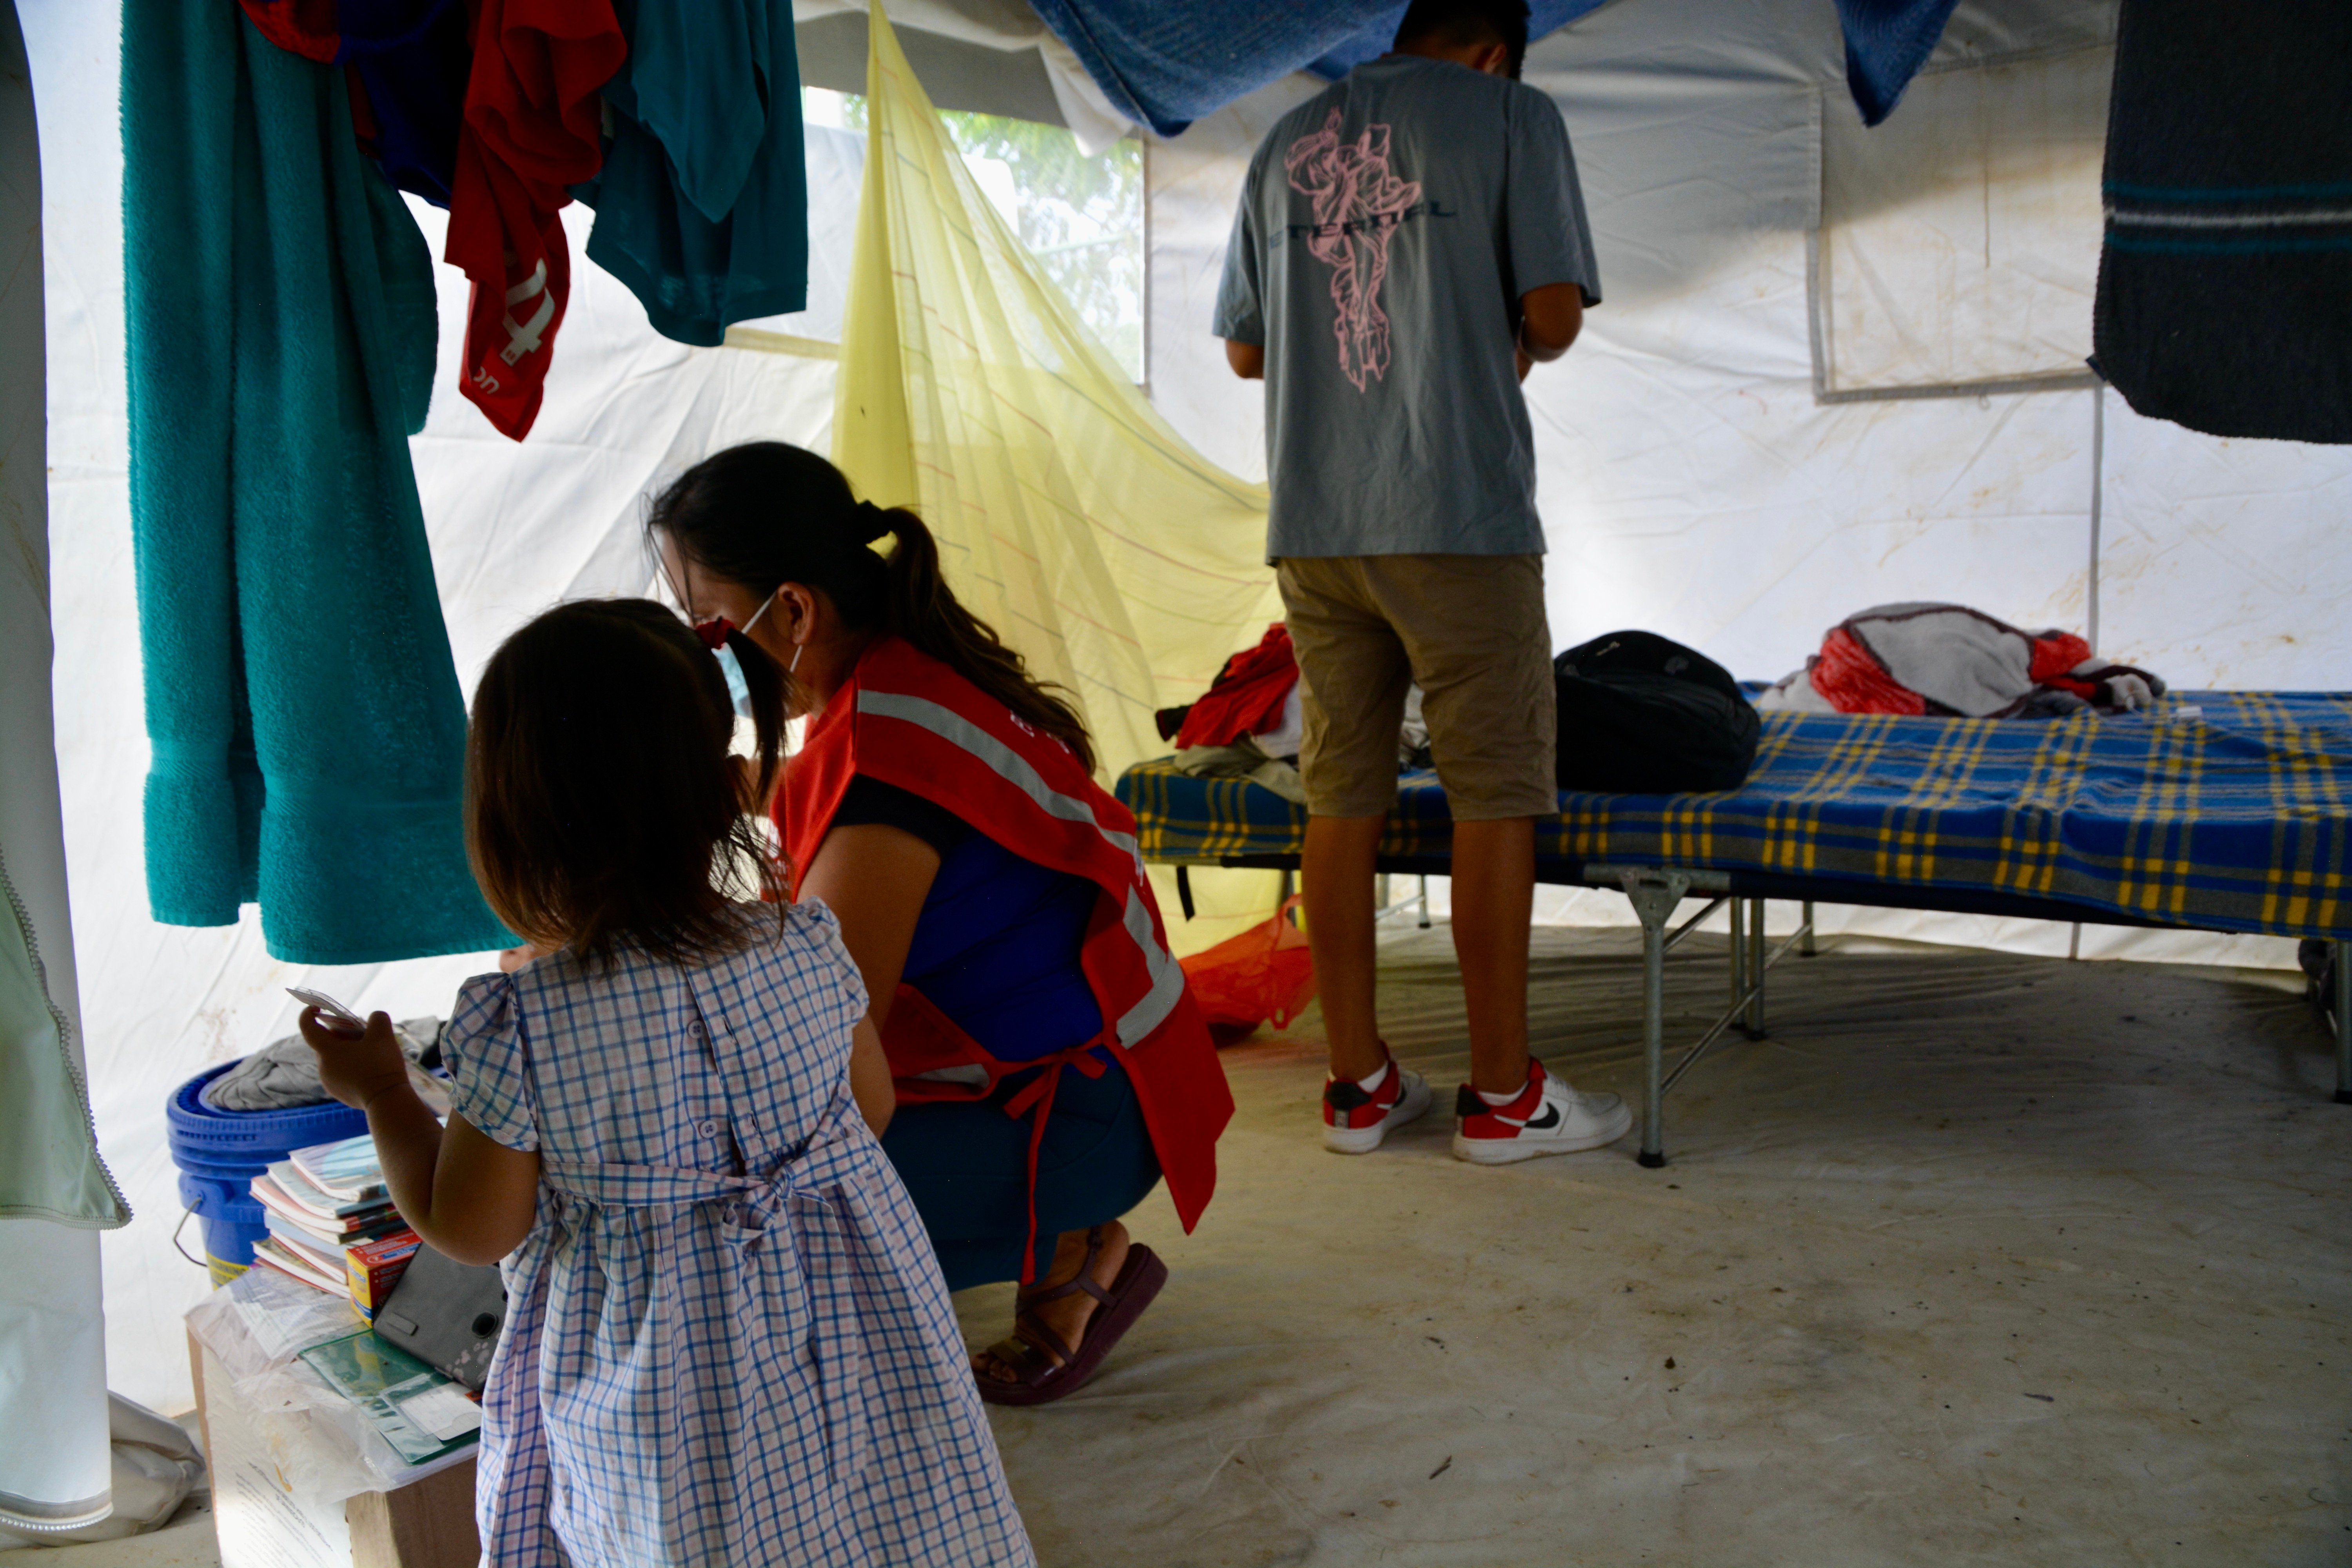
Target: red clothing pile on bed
[(1949, 660)]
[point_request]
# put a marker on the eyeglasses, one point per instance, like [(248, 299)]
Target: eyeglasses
[(713, 632)]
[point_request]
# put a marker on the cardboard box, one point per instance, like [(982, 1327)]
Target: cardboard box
[(373, 1268), (263, 1522)]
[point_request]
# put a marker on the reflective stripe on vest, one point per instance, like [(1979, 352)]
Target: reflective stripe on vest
[(1137, 1022)]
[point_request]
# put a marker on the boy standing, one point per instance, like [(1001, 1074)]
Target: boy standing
[(1409, 242)]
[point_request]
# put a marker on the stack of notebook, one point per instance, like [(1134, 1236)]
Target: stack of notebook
[(332, 1223)]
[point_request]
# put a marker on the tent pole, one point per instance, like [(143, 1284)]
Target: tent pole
[(1144, 287), (2098, 485)]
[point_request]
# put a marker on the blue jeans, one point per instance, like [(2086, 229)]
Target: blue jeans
[(967, 1168)]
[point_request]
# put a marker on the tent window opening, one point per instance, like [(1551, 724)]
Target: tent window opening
[(1958, 250), (1082, 217)]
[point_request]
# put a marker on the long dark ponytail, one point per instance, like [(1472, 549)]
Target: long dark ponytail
[(765, 513)]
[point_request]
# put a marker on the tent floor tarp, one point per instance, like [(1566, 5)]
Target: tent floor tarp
[(1977, 1259)]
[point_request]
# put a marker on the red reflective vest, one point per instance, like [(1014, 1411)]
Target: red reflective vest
[(907, 719)]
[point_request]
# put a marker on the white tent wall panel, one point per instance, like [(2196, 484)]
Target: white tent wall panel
[(1747, 520), (1960, 239), (1691, 482), (2225, 560)]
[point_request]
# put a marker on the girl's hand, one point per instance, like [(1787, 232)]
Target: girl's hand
[(356, 1068)]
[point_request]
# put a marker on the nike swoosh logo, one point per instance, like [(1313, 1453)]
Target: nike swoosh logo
[(1548, 1120)]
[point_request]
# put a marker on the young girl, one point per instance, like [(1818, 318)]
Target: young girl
[(727, 1341)]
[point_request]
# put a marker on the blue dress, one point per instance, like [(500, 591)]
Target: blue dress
[(726, 1340)]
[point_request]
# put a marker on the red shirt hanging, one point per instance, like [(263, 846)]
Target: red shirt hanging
[(534, 124)]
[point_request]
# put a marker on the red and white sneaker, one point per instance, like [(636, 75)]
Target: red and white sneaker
[(1548, 1118), (1355, 1119)]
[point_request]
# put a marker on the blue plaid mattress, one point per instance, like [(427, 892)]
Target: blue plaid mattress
[(2237, 816)]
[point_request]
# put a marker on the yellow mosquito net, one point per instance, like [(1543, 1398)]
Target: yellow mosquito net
[(1070, 516)]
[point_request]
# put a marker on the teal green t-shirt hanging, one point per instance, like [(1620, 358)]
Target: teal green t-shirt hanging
[(702, 204)]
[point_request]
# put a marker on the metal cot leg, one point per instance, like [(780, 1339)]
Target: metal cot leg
[(1424, 903), (1806, 949), (1755, 965), (1738, 912), (1653, 900), (1654, 1043), (2344, 1023)]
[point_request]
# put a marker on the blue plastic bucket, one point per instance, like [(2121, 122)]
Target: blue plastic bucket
[(220, 1152), (250, 1136), (233, 1221)]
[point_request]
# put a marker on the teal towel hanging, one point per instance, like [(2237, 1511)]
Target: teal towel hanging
[(309, 733)]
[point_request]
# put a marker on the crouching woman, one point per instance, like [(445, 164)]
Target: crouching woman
[(1048, 1064)]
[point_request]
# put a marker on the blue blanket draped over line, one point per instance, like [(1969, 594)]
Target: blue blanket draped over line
[(1166, 66), (307, 729)]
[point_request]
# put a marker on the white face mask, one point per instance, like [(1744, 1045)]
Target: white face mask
[(739, 690), (798, 649)]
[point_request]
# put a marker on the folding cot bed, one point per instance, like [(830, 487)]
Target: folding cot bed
[(2214, 811)]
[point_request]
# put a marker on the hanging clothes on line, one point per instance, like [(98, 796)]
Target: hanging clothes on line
[(309, 734), (2225, 286), (531, 129), (1166, 66), (702, 201), (405, 64), (697, 170), (1887, 42)]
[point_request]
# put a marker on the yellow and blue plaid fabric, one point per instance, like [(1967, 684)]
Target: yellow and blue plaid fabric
[(2220, 810)]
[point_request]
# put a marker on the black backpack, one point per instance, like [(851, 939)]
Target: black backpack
[(1640, 714)]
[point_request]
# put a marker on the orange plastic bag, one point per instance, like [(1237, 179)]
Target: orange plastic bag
[(1266, 973)]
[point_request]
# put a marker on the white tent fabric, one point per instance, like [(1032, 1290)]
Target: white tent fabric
[(1689, 479)]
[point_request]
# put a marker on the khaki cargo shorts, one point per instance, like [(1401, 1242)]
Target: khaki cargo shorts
[(1470, 630)]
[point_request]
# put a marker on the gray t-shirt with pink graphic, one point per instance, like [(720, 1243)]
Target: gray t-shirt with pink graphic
[(1389, 227)]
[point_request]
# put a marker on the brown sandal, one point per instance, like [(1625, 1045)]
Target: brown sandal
[(1037, 1377)]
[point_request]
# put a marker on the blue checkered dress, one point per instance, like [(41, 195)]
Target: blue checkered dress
[(727, 1339)]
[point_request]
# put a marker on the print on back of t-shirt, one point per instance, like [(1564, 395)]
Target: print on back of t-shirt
[(1358, 202)]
